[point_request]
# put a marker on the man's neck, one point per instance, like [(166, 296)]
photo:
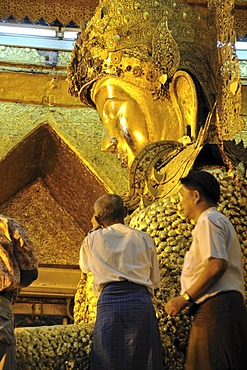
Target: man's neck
[(202, 207), (113, 222)]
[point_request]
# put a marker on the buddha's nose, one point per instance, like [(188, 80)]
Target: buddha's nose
[(109, 144)]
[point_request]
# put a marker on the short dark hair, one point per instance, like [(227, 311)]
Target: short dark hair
[(205, 183), (109, 207)]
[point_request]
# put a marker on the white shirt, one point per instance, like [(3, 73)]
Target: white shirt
[(213, 236), (118, 253)]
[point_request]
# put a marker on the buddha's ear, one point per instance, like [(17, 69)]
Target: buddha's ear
[(184, 97)]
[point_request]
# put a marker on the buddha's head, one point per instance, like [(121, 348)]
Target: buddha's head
[(148, 68)]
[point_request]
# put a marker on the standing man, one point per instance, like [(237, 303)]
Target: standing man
[(124, 264), (18, 268), (212, 278)]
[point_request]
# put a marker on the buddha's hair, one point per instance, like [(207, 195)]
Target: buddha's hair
[(205, 183)]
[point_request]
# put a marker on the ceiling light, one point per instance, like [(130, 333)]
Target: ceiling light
[(241, 50), (9, 29), (70, 33)]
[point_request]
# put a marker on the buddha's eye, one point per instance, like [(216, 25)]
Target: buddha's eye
[(111, 108)]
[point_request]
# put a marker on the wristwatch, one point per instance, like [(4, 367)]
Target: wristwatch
[(187, 297)]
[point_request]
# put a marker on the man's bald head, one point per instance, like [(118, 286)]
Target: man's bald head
[(109, 209)]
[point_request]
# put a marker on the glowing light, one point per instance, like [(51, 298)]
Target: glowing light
[(140, 138), (37, 36), (28, 31), (123, 124), (110, 90), (69, 34), (241, 50), (241, 45)]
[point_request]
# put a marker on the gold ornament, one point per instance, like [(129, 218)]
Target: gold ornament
[(144, 43)]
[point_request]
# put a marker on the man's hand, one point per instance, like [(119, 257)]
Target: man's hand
[(175, 305)]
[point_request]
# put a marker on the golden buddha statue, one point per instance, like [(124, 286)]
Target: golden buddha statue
[(150, 68)]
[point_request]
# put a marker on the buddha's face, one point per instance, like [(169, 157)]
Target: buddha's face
[(124, 122), (132, 119)]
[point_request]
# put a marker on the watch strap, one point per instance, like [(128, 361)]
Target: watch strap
[(187, 297)]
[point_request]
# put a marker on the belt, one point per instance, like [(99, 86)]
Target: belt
[(115, 282)]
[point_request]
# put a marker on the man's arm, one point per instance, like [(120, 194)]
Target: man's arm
[(211, 274), (27, 277), (155, 271), (24, 254), (83, 260)]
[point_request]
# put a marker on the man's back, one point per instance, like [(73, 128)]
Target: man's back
[(120, 252)]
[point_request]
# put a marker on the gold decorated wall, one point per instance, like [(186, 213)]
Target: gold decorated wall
[(51, 165), (52, 170), (64, 11), (80, 11)]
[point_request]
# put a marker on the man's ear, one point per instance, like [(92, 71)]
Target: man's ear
[(98, 220), (125, 211), (197, 196), (184, 97)]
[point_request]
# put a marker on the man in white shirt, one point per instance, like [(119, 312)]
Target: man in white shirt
[(124, 264), (212, 280)]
